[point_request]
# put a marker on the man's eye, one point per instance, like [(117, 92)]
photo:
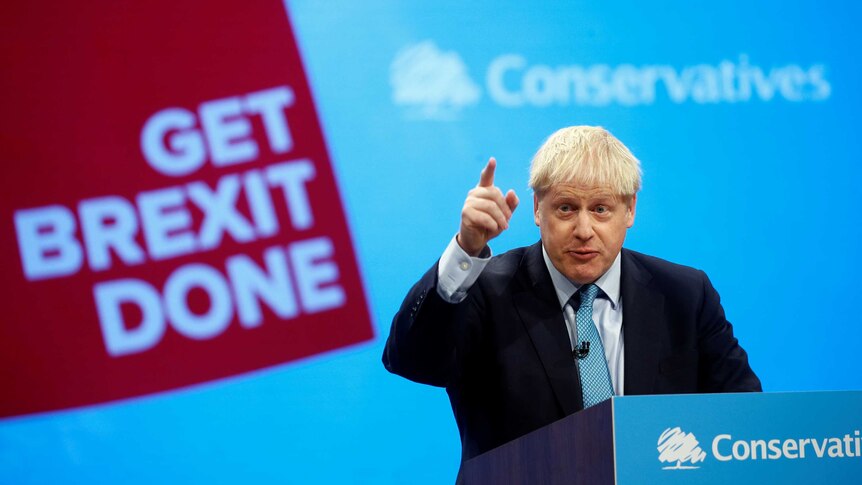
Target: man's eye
[(565, 208), (601, 209)]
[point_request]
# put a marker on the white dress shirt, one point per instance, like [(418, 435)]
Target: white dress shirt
[(458, 271)]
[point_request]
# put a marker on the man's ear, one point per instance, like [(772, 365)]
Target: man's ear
[(536, 209), (630, 213)]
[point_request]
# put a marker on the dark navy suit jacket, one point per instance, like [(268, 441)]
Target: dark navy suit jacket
[(504, 357)]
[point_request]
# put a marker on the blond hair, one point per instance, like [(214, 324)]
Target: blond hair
[(585, 155)]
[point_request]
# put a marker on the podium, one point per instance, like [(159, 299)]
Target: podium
[(757, 438)]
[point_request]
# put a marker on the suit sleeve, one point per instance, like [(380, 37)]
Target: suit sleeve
[(724, 365), (427, 333)]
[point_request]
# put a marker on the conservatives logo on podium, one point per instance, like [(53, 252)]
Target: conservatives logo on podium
[(681, 451), (676, 447)]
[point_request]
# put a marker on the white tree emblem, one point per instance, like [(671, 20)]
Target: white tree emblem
[(675, 445), (432, 83)]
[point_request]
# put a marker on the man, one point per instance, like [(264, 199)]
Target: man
[(525, 338)]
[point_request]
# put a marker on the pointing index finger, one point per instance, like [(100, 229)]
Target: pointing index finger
[(486, 179)]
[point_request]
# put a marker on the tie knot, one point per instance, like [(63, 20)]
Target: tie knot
[(588, 294)]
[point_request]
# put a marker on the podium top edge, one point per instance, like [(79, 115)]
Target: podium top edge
[(807, 393)]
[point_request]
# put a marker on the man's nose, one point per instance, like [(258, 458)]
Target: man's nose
[(583, 229)]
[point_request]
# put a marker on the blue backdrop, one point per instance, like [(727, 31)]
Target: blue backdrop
[(743, 115)]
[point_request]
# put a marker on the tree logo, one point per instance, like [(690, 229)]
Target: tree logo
[(676, 447), (430, 83)]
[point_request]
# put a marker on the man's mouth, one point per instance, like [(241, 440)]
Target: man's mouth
[(583, 254)]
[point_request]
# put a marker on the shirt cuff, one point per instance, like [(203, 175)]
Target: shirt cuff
[(457, 271)]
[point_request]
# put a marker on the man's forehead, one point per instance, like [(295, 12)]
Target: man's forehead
[(582, 190)]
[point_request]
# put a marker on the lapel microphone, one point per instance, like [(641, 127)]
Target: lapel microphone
[(582, 350)]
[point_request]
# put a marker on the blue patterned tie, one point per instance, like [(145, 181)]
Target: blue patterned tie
[(595, 378)]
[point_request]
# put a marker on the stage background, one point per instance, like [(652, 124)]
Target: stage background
[(758, 188)]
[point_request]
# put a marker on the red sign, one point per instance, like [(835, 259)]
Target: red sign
[(169, 212)]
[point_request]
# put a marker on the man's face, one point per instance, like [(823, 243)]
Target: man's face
[(583, 228)]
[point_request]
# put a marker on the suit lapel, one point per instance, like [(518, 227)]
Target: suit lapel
[(539, 309), (643, 309)]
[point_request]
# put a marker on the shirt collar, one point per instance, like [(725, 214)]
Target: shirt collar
[(609, 282)]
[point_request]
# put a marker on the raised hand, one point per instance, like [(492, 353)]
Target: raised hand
[(486, 212)]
